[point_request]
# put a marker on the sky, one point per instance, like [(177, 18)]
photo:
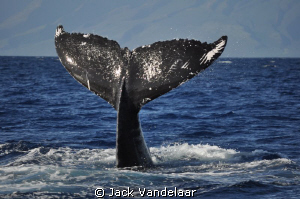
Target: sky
[(256, 28)]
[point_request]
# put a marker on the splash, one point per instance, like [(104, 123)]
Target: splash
[(190, 152), (80, 171)]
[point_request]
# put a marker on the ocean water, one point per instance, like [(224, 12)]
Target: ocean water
[(231, 132)]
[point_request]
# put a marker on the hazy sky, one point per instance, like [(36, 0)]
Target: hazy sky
[(257, 28)]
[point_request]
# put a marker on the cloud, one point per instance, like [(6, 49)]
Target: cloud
[(79, 7), (21, 16), (31, 31)]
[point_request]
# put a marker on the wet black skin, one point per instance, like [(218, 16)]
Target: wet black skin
[(129, 79), (131, 147)]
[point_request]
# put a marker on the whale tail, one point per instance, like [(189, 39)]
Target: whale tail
[(129, 79)]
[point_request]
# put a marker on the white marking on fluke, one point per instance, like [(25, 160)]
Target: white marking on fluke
[(89, 87), (174, 65), (151, 66), (117, 72), (88, 81), (70, 60), (208, 56), (144, 101), (59, 31), (185, 65)]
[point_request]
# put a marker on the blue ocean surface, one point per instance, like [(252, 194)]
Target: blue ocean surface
[(231, 132)]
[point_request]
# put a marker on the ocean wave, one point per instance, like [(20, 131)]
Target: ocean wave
[(69, 170), (225, 62), (185, 153), (66, 156), (269, 65)]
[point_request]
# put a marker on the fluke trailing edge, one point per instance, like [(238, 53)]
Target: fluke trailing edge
[(129, 79)]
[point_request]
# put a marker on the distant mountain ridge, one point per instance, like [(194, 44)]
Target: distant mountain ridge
[(256, 28)]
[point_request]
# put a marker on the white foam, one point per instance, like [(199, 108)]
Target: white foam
[(264, 163), (187, 152), (69, 170), (68, 157)]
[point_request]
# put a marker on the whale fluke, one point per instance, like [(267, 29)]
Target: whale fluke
[(129, 79)]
